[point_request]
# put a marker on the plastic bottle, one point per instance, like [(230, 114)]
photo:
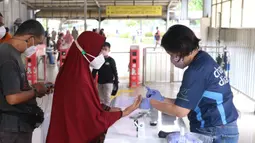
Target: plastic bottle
[(154, 117), (141, 129)]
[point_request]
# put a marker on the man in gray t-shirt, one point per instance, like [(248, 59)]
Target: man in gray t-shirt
[(17, 97)]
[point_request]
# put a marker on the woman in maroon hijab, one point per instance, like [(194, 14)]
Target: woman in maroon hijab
[(77, 115)]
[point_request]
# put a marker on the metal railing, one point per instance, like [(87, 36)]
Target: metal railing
[(122, 62), (156, 65), (240, 74)]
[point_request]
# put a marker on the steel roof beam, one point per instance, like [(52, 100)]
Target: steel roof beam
[(69, 8), (27, 3), (98, 1), (91, 4), (77, 8), (98, 5)]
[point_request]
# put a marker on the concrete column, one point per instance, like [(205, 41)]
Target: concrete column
[(167, 17), (140, 31), (1, 7), (30, 14), (20, 11), (184, 10), (207, 8), (99, 18), (85, 15), (60, 25), (47, 23), (7, 12)]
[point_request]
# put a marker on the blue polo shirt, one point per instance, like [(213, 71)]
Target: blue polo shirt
[(206, 91)]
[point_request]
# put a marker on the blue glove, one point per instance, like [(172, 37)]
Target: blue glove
[(154, 94), (145, 104)]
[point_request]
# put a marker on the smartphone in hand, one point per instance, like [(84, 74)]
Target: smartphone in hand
[(50, 87)]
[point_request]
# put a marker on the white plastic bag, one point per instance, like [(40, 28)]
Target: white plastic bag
[(187, 137)]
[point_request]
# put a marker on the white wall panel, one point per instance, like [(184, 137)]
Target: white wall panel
[(13, 9), (241, 45)]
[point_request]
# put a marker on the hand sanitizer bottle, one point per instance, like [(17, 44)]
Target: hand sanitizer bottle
[(141, 130)]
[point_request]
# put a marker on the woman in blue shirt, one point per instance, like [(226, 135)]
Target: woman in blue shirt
[(205, 95)]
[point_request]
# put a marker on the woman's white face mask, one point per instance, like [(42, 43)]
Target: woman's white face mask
[(2, 32), (97, 62)]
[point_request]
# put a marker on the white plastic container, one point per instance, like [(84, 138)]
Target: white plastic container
[(140, 125), (141, 130)]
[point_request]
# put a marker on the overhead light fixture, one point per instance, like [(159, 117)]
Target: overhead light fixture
[(37, 10)]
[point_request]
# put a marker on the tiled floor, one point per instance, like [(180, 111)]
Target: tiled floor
[(244, 105)]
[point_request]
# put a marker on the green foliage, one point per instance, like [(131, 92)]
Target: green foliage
[(195, 5), (162, 34), (149, 34), (44, 23), (131, 23), (148, 40), (195, 22), (124, 35)]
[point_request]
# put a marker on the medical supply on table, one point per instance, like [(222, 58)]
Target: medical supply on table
[(153, 117), (184, 137), (175, 137), (140, 128), (138, 115), (140, 125), (152, 94), (163, 134)]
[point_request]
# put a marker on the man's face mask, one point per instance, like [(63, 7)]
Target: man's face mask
[(2, 32), (178, 62), (97, 62), (30, 50)]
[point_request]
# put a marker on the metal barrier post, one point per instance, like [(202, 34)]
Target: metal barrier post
[(144, 66)]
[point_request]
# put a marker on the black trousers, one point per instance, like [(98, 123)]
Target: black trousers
[(15, 137)]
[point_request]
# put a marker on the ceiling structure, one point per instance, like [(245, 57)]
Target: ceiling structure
[(73, 9)]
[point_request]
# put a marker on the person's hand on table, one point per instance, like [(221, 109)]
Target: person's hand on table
[(132, 107)]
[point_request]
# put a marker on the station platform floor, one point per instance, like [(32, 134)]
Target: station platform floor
[(244, 105)]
